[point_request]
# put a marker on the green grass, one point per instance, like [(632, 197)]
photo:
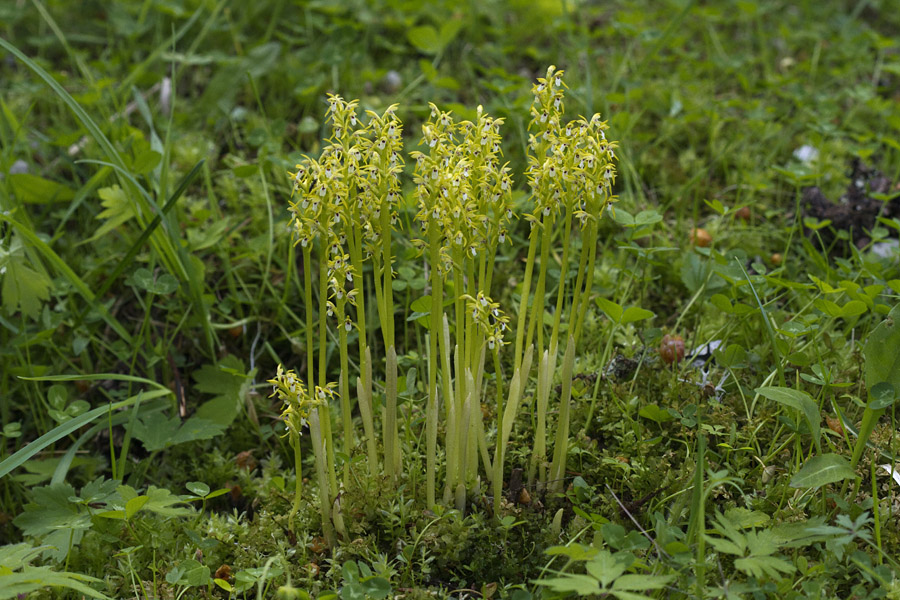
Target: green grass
[(151, 285)]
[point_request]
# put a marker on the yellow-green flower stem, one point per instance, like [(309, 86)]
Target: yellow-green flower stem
[(526, 294), (294, 439), (324, 495), (585, 276), (344, 386), (325, 407), (536, 320), (353, 232), (288, 388), (563, 272), (392, 457), (431, 411)]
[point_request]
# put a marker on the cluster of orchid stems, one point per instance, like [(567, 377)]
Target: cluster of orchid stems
[(344, 211)]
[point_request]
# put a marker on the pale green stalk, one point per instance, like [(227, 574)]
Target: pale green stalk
[(324, 496), (324, 409), (344, 387), (523, 300), (561, 444), (564, 270), (516, 387), (431, 413)]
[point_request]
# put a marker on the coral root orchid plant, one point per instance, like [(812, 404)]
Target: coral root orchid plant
[(345, 216)]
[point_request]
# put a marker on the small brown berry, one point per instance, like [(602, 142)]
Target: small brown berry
[(776, 259), (671, 349), (700, 237), (743, 213)]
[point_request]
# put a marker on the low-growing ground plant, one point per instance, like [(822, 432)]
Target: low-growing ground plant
[(459, 336)]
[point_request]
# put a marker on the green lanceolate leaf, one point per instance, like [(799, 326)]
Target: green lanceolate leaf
[(797, 400), (882, 350), (822, 470)]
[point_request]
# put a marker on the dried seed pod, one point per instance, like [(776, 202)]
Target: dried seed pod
[(524, 496)]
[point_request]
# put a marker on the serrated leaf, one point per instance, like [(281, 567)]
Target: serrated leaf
[(164, 284), (723, 545), (55, 518), (117, 210), (583, 585), (761, 566), (642, 582), (800, 401), (32, 579), (158, 432), (744, 517), (24, 288), (822, 470)]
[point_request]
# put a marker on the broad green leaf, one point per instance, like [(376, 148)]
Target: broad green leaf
[(797, 400), (134, 505), (159, 501), (425, 38), (31, 189), (164, 284), (613, 311), (636, 313), (647, 217), (882, 395), (882, 352), (623, 217), (732, 357), (655, 413), (197, 488), (828, 307), (230, 385), (822, 470)]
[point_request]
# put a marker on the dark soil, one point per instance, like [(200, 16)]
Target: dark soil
[(855, 211)]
